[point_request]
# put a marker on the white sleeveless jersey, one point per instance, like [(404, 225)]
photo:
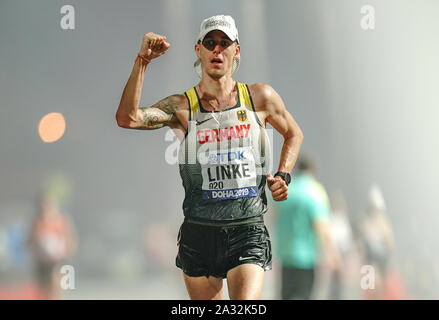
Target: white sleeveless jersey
[(223, 159)]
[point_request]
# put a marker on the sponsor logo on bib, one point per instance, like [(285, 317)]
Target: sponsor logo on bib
[(229, 174)]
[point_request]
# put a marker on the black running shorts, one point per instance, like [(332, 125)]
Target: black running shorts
[(212, 250)]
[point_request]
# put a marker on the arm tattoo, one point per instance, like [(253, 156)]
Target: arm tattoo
[(152, 118), (169, 104), (160, 114)]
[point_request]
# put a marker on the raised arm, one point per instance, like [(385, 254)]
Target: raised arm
[(163, 113)]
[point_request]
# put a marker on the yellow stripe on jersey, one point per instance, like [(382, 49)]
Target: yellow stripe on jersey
[(193, 100), (244, 95)]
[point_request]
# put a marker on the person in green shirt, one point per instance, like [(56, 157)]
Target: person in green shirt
[(303, 232)]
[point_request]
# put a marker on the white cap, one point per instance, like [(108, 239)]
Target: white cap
[(225, 24)]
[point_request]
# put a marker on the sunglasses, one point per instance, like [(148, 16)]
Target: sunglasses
[(210, 44)]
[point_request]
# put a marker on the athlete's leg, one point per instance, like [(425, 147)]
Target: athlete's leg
[(245, 282), (203, 288)]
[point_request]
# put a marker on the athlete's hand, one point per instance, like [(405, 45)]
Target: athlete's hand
[(278, 187), (153, 46)]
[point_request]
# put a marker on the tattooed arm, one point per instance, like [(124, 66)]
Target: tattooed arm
[(158, 115), (163, 113), (166, 112)]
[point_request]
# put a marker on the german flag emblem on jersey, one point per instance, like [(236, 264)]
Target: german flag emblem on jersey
[(242, 116)]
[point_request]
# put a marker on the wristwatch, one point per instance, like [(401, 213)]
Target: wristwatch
[(285, 176)]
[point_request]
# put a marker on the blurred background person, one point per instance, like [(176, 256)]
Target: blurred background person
[(376, 239), (14, 259), (303, 233), (52, 241), (342, 234)]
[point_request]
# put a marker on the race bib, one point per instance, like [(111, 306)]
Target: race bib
[(229, 174)]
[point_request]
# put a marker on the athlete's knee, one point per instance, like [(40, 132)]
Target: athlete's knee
[(245, 282), (203, 288)]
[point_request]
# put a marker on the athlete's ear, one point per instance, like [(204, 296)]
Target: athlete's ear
[(238, 50), (197, 50)]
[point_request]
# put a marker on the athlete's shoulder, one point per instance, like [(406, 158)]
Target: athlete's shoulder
[(262, 92), (173, 103), (177, 100), (262, 89), (176, 106)]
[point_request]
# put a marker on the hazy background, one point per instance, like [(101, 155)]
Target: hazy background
[(366, 101)]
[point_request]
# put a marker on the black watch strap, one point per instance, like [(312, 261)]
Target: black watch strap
[(284, 175)]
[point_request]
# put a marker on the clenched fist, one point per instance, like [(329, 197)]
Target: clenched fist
[(278, 188), (153, 46)]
